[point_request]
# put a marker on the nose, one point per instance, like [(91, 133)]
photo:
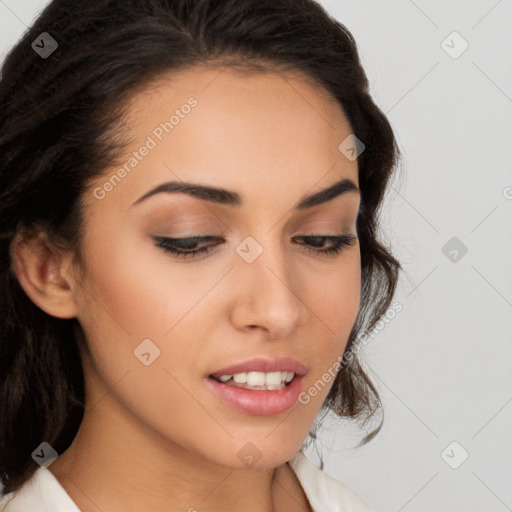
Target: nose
[(268, 294)]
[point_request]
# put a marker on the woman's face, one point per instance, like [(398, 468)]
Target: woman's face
[(158, 325)]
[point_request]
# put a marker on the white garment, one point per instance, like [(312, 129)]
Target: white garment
[(44, 493), (324, 493)]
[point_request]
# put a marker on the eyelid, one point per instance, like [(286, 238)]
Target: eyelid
[(339, 243)]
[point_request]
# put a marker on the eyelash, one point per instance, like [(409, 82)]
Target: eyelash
[(169, 244)]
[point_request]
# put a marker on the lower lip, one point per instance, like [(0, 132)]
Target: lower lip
[(258, 402)]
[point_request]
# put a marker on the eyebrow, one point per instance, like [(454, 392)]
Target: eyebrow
[(230, 198)]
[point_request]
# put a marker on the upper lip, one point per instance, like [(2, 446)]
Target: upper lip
[(265, 365)]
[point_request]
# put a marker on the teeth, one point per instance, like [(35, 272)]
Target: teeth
[(258, 378), (272, 380)]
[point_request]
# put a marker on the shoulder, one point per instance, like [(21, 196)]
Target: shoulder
[(41, 493), (325, 493)]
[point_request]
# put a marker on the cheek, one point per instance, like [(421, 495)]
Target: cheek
[(334, 296), (125, 304), (134, 288), (135, 292), (335, 302)]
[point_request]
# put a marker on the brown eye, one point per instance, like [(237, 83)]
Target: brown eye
[(186, 247), (338, 243)]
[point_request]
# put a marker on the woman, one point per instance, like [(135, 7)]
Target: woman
[(189, 249)]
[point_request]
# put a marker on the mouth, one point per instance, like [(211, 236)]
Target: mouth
[(257, 381), (260, 386)]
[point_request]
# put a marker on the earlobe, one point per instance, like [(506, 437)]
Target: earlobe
[(38, 268)]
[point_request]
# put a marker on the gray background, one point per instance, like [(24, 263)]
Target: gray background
[(442, 365)]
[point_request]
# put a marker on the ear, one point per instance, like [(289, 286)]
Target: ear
[(39, 268)]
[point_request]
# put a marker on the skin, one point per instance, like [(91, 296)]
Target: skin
[(155, 437)]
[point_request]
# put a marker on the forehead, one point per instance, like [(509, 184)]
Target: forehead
[(266, 99), (245, 132)]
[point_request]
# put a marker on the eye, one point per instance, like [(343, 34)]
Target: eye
[(188, 247), (337, 243)]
